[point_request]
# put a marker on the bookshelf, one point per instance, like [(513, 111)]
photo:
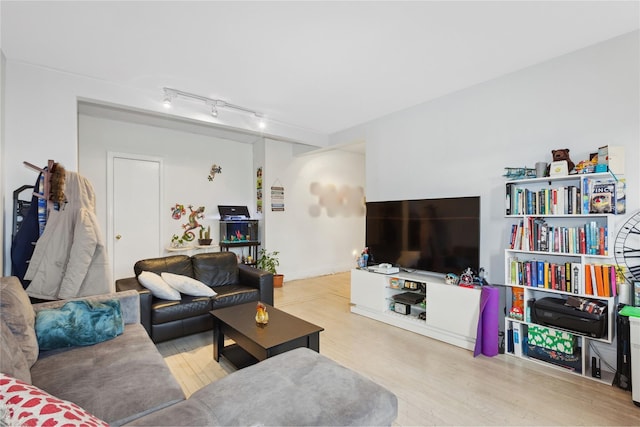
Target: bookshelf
[(560, 245)]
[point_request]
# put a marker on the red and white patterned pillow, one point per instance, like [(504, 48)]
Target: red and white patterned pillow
[(26, 405)]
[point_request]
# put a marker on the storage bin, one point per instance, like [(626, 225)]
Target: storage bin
[(552, 339)]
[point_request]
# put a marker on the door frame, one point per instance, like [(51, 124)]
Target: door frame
[(111, 156)]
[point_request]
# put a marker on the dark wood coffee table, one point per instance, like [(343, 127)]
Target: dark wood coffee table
[(254, 342)]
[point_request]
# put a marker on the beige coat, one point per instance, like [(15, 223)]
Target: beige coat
[(70, 258)]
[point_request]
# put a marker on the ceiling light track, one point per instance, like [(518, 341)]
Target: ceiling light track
[(170, 94)]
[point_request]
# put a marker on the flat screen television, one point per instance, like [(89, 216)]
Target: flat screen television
[(434, 235)]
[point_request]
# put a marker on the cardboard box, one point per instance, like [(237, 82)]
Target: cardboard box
[(613, 157)]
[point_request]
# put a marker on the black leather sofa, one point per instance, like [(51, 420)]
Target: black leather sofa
[(234, 284)]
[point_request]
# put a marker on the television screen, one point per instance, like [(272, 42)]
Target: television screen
[(438, 235)]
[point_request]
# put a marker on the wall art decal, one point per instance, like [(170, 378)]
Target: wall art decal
[(259, 190), (277, 198), (177, 211), (214, 170), (345, 201)]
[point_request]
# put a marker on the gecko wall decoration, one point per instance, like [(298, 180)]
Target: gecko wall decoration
[(214, 170)]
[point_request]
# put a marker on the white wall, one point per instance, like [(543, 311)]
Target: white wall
[(187, 160), (310, 241), (459, 144), (313, 240), (41, 119)]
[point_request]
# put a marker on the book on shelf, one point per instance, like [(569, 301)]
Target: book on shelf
[(597, 269), (601, 193), (600, 280), (605, 195), (576, 278), (620, 199), (613, 279), (588, 280), (568, 276), (606, 281), (508, 201), (541, 276)]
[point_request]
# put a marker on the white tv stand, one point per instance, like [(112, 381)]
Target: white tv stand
[(451, 311)]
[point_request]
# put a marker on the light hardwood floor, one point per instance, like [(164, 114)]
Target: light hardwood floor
[(436, 383)]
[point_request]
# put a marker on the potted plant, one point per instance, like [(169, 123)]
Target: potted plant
[(268, 261), (205, 236)]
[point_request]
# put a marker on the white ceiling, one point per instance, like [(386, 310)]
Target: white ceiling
[(322, 66)]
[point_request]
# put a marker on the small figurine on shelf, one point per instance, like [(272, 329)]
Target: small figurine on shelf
[(363, 259), (262, 317), (177, 242), (466, 279), (451, 279)]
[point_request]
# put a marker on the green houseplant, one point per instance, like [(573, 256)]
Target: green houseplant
[(268, 261)]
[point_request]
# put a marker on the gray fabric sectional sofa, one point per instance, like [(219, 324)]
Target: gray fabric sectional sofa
[(125, 381)]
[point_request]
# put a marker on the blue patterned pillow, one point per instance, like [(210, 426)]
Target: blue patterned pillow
[(79, 323)]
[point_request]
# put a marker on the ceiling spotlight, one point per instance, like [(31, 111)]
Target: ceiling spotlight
[(261, 123), (214, 111), (168, 96)]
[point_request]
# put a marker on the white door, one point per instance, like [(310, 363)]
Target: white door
[(134, 185)]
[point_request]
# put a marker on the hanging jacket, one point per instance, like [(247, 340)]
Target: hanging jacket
[(22, 245), (70, 258)]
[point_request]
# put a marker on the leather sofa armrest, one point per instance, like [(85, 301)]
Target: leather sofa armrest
[(259, 279), (131, 283)]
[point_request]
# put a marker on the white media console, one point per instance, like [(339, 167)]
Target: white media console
[(451, 312)]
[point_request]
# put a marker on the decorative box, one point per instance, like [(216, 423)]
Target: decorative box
[(552, 339)]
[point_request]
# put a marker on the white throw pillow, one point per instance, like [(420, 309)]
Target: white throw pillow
[(158, 287), (188, 285)]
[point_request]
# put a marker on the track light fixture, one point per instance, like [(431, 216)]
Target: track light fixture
[(168, 97), (214, 109), (261, 123), (214, 104)]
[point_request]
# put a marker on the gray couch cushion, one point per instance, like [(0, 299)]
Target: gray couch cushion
[(129, 303), (296, 388), (12, 360), (17, 312), (117, 380)]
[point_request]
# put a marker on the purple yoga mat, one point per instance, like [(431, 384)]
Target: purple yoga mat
[(487, 336)]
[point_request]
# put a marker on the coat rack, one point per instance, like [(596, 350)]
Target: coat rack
[(48, 172)]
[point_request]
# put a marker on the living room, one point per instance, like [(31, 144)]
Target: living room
[(456, 142)]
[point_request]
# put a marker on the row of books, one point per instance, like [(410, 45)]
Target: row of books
[(534, 234), (588, 279), (592, 196), (563, 200)]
